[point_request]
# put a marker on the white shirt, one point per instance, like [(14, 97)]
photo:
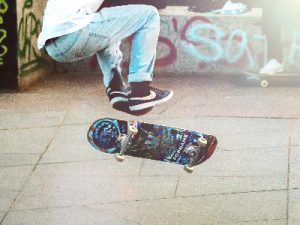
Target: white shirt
[(62, 17)]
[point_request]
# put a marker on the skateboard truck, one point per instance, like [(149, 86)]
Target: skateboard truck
[(125, 140), (194, 150)]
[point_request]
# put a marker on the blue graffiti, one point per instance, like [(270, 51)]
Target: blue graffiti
[(214, 50), (218, 45)]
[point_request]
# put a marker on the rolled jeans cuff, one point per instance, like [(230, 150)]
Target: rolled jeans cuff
[(139, 77)]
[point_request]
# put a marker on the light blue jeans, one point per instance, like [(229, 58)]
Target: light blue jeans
[(103, 37)]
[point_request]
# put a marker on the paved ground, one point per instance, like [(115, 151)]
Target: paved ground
[(50, 175)]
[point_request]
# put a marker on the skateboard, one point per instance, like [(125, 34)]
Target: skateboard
[(151, 141), (266, 79)]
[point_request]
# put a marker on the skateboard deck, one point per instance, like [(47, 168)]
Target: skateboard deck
[(279, 78), (151, 141)]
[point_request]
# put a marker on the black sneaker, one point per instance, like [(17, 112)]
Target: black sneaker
[(155, 97), (116, 91)]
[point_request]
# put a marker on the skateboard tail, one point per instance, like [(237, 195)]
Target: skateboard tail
[(212, 143)]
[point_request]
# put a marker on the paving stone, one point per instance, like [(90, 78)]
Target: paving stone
[(24, 146), (294, 207), (71, 144), (91, 182), (2, 214), (295, 132), (236, 163), (194, 186), (268, 222), (295, 167), (62, 216), (244, 182), (20, 119), (7, 198), (204, 210), (12, 180), (11, 159), (96, 168)]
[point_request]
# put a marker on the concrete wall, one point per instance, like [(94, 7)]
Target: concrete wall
[(33, 63), (219, 43), (208, 43)]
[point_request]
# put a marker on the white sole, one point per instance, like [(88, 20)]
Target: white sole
[(118, 99), (151, 104), (280, 70)]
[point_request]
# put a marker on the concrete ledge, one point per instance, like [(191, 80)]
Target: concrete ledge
[(206, 42)]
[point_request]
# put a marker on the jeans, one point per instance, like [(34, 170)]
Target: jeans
[(103, 37)]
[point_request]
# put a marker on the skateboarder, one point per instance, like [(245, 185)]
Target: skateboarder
[(76, 29)]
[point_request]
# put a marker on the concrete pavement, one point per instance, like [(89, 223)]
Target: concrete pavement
[(50, 175)]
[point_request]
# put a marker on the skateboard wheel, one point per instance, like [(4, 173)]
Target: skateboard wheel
[(188, 168), (119, 157), (202, 142), (264, 83), (132, 130)]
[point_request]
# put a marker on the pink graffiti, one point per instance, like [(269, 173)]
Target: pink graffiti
[(234, 39), (171, 57)]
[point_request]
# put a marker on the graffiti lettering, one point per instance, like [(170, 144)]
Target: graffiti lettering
[(3, 6), (215, 44), (235, 46), (3, 10), (3, 48), (209, 44), (28, 31), (171, 57), (215, 51), (3, 32)]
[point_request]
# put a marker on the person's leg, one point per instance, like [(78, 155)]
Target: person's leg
[(145, 22), (109, 60), (108, 27), (142, 55)]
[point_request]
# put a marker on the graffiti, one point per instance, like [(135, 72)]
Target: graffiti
[(208, 43), (169, 58), (294, 56), (206, 46), (192, 40), (3, 9), (3, 48), (3, 32), (28, 31)]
